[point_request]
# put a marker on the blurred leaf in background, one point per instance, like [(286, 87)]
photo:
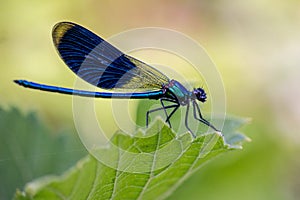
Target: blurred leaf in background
[(29, 150)]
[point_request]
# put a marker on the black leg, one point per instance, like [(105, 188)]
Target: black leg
[(173, 111), (201, 119), (186, 120), (157, 109), (163, 105)]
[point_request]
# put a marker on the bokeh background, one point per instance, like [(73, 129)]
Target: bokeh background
[(255, 45)]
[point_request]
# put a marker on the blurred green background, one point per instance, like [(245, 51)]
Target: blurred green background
[(255, 45)]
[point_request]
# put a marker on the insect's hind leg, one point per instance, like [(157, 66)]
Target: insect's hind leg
[(170, 115), (163, 108), (175, 106), (151, 111)]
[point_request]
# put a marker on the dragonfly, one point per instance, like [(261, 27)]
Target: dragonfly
[(121, 76)]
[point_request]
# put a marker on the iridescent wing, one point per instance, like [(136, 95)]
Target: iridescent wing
[(99, 63)]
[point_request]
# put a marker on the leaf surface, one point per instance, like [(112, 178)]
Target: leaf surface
[(147, 165)]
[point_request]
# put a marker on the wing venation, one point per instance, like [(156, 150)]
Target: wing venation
[(101, 64)]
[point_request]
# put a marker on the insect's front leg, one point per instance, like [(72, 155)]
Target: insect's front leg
[(200, 118)]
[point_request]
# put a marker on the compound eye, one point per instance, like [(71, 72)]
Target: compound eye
[(200, 94)]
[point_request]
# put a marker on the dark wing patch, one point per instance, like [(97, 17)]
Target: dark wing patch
[(101, 64)]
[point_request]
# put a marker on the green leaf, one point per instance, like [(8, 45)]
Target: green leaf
[(148, 165), (28, 150)]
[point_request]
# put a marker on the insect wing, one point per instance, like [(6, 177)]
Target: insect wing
[(101, 64)]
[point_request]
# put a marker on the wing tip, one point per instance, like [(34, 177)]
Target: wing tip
[(59, 29)]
